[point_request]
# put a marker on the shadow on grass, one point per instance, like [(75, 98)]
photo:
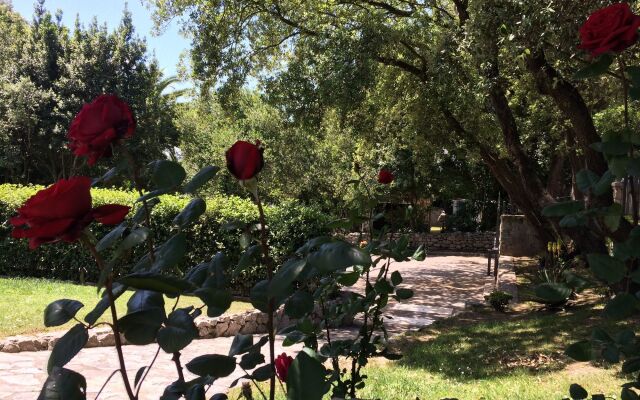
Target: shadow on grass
[(473, 347)]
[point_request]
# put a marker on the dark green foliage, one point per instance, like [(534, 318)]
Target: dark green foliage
[(290, 226)]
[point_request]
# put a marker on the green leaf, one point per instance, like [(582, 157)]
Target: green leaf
[(420, 254), (579, 351), (263, 373), (299, 305), (586, 180), (133, 239), (216, 268), (404, 294), (251, 360), (383, 286), (604, 184), (396, 278), (618, 166), (552, 293), (178, 332), (64, 384), (141, 327), (217, 300), (92, 317), (61, 311), (156, 282), (241, 344), (111, 238), (348, 278), (620, 307), (607, 268), (249, 258), (152, 195), (573, 221), (213, 365), (196, 392), (171, 252), (141, 213), (139, 374), (577, 392), (628, 394), (190, 213), (305, 379), (167, 174), (67, 347), (631, 365), (334, 256), (613, 216), (563, 208), (144, 300), (599, 67), (286, 275), (201, 178)]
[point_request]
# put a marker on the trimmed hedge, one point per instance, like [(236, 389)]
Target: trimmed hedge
[(290, 224)]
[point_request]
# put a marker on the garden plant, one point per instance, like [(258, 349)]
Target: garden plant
[(306, 288)]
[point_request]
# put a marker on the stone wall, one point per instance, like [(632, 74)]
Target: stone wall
[(518, 238), (462, 242)]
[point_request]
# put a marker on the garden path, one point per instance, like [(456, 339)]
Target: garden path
[(443, 285)]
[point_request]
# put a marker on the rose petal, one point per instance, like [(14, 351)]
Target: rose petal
[(110, 214)]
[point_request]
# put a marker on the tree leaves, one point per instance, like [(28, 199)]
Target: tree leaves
[(213, 365)]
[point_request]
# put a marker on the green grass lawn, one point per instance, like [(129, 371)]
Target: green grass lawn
[(23, 302), (490, 356)]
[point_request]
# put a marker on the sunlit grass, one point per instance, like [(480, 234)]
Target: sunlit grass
[(23, 302)]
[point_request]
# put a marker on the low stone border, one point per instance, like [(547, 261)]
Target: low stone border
[(249, 322)]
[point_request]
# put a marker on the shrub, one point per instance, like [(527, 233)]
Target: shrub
[(291, 225), (499, 300)]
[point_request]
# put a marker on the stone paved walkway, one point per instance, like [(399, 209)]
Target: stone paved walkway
[(443, 285)]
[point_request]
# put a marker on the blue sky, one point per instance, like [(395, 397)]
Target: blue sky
[(167, 46)]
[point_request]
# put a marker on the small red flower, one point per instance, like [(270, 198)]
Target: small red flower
[(283, 362), (610, 30), (385, 176), (61, 212), (244, 160), (99, 125)]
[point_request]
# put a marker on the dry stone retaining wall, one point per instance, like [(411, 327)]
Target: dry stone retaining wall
[(250, 322), (462, 242)]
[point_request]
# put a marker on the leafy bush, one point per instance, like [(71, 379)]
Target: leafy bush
[(499, 300), (291, 225)]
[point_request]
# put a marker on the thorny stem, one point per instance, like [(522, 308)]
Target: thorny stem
[(176, 360), (114, 316), (270, 306)]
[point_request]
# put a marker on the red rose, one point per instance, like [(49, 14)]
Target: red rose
[(385, 176), (283, 362), (610, 30), (61, 212), (244, 160), (98, 125)]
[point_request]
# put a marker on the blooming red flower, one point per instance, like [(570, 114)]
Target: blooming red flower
[(610, 30), (385, 176), (99, 125), (244, 160), (61, 212), (283, 362)]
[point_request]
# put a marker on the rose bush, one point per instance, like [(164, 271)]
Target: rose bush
[(100, 125), (610, 30), (62, 212), (312, 275)]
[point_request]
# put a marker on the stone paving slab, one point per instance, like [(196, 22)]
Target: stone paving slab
[(443, 285)]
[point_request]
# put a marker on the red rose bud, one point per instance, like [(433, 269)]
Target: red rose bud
[(61, 212), (385, 176), (244, 160), (283, 362), (99, 125), (610, 30)]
